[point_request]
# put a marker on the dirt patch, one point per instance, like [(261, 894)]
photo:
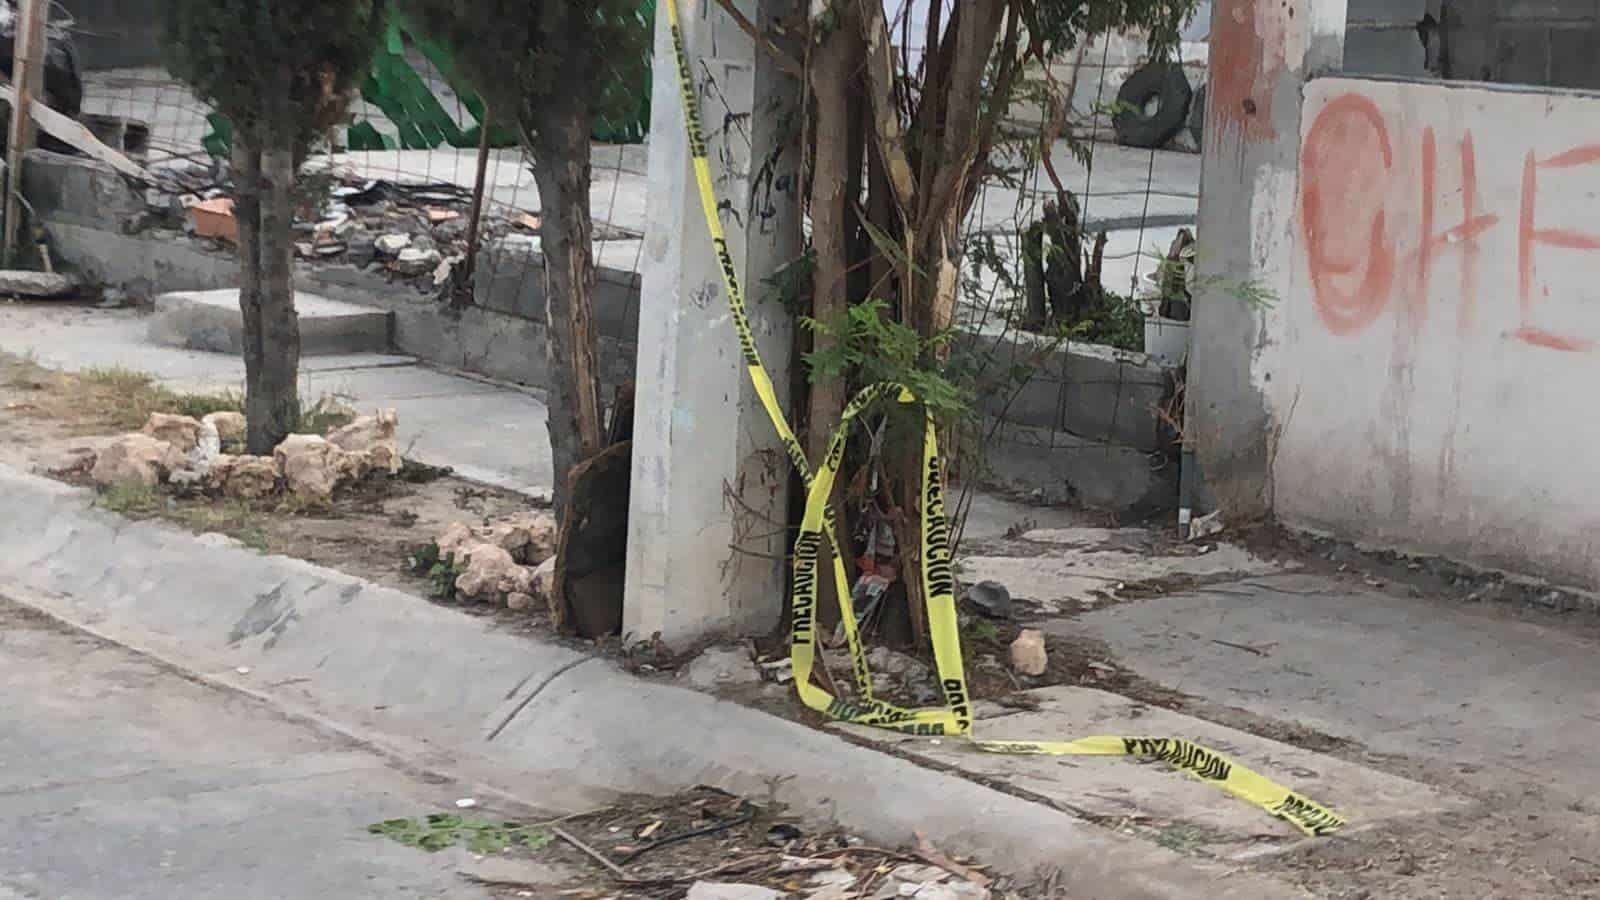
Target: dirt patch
[(1417, 576), (1510, 844), (656, 848), (53, 423)]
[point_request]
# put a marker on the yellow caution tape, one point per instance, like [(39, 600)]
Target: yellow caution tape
[(955, 717)]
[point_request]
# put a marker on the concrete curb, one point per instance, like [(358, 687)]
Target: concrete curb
[(388, 664)]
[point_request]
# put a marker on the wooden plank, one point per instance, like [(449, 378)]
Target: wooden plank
[(27, 71), (78, 136)]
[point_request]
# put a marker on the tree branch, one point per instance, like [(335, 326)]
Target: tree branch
[(886, 114), (787, 63)]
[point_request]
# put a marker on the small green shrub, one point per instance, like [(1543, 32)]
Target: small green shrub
[(440, 570), (131, 500)]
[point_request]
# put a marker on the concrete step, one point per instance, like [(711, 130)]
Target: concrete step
[(211, 321)]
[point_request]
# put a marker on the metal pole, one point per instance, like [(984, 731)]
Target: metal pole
[(27, 76)]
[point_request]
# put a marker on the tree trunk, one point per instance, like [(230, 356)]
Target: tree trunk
[(247, 216), (264, 215), (832, 65), (561, 151), (272, 397)]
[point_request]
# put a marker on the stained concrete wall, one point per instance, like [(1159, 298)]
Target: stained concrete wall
[(1382, 37), (1551, 43), (1540, 42), (1429, 374)]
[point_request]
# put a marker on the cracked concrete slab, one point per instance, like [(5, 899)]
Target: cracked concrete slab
[(1065, 570), (1153, 799), (1482, 687)]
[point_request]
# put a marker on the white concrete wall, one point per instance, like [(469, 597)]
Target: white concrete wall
[(1431, 372)]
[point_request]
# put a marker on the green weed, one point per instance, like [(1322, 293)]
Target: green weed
[(441, 831)]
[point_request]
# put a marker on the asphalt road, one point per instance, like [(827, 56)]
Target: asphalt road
[(120, 778)]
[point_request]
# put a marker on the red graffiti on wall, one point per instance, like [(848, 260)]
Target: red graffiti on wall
[(1348, 185)]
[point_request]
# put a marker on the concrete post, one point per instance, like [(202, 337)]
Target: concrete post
[(706, 535), (1262, 54)]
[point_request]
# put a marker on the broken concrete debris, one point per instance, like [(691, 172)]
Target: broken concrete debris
[(373, 436), (510, 562), (207, 447), (721, 667), (182, 432), (38, 285), (136, 460), (244, 477), (230, 425), (188, 453), (1206, 526), (488, 572), (1028, 656), (415, 261), (390, 245), (311, 466)]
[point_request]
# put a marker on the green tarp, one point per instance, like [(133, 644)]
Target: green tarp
[(419, 120)]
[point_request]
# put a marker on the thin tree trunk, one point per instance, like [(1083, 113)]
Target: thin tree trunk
[(272, 400), (832, 66), (247, 215), (561, 166)]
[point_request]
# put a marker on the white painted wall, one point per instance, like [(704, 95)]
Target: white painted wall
[(1431, 372)]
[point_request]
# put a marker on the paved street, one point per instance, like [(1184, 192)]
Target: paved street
[(123, 779)]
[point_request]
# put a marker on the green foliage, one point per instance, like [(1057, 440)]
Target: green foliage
[(529, 55), (1182, 271), (1059, 24), (136, 501), (441, 831), (1119, 324), (871, 347), (440, 570), (323, 417), (982, 630), (273, 66)]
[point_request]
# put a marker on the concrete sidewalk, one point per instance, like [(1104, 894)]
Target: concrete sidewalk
[(517, 714), (124, 779), (487, 432)]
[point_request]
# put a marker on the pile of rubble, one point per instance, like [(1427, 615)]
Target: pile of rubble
[(187, 453), (511, 563), (414, 232)]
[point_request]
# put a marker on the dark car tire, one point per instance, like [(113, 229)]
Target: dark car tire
[(1169, 87)]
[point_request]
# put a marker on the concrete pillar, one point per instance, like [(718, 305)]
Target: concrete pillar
[(1262, 54), (706, 534)]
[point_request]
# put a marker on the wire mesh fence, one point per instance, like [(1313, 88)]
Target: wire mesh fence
[(1111, 387), (412, 143), (402, 171)]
